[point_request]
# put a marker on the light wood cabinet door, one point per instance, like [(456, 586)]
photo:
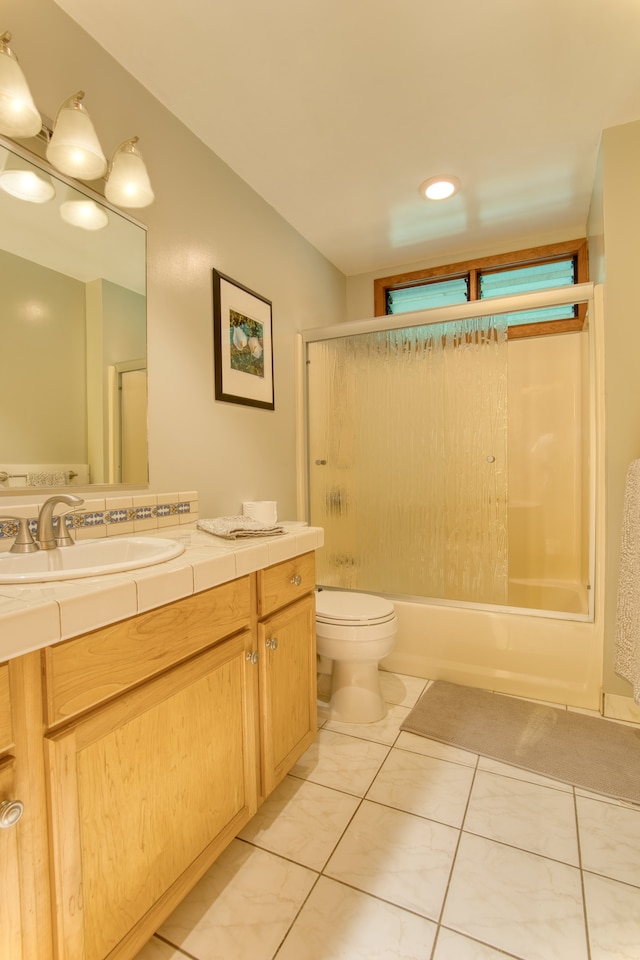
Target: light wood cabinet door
[(145, 793), (10, 904), (287, 668)]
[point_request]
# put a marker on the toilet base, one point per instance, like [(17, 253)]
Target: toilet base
[(356, 694)]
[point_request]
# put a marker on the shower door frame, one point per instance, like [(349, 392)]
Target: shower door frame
[(583, 293)]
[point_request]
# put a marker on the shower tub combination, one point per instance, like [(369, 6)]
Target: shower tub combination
[(452, 469)]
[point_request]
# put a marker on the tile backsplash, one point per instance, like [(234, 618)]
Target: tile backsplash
[(112, 515)]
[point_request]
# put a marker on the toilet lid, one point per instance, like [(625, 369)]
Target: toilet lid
[(353, 609)]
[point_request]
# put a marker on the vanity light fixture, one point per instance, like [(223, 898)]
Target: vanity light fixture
[(19, 116), (128, 182), (84, 213), (74, 148), (25, 182), (439, 188)]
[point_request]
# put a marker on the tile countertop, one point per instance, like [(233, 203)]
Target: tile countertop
[(38, 614)]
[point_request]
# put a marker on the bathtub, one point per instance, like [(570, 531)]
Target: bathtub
[(536, 654)]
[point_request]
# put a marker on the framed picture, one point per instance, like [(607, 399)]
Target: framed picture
[(243, 344)]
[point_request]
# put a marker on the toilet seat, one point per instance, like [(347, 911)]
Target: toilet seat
[(337, 608)]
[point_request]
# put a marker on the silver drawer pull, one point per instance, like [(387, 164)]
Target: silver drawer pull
[(10, 812), (253, 657), (296, 581), (272, 643)]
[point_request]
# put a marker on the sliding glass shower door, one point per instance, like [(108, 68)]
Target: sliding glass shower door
[(408, 460)]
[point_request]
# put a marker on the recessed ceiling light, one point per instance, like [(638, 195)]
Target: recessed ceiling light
[(439, 188)]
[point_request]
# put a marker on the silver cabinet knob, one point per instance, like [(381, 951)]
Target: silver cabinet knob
[(296, 581), (10, 812), (272, 643), (253, 656)]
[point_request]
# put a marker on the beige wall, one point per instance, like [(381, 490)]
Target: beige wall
[(204, 216), (614, 229)]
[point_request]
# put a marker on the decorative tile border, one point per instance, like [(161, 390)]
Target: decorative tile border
[(98, 520)]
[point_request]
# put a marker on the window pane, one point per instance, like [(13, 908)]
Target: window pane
[(544, 314), (439, 293), (537, 276)]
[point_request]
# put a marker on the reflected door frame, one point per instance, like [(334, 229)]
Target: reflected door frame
[(125, 417)]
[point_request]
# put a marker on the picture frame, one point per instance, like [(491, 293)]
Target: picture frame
[(243, 344)]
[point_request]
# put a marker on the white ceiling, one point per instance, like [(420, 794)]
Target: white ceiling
[(335, 111)]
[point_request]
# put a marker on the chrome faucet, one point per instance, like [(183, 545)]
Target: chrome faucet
[(47, 539)]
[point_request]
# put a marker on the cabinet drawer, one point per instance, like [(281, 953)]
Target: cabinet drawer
[(99, 665), (6, 732), (284, 582)]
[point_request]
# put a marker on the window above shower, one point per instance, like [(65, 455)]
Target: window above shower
[(522, 271)]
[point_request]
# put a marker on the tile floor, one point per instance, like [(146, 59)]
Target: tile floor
[(384, 845)]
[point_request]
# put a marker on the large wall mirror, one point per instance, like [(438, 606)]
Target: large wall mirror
[(73, 336)]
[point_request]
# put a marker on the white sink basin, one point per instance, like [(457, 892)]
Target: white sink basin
[(88, 558)]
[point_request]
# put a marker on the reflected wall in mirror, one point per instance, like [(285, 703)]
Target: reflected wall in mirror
[(72, 333)]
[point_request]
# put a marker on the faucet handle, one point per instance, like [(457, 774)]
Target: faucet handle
[(24, 542), (63, 537)]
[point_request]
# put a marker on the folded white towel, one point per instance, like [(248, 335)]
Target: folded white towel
[(236, 528)]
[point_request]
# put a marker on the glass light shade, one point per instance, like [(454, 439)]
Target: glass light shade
[(84, 213), (74, 148), (439, 188), (128, 182), (25, 182), (18, 114)]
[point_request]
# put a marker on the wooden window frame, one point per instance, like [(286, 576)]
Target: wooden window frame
[(472, 269)]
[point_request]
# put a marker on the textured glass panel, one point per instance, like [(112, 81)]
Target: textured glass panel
[(408, 471), (439, 293)]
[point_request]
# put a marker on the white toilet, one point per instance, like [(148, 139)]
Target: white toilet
[(354, 631)]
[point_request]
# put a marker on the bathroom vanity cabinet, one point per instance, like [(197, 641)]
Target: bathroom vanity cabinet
[(161, 735), (286, 666)]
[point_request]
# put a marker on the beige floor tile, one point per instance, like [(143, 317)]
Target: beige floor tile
[(338, 923), (425, 786), (516, 901), (242, 907), (400, 858), (613, 919), (397, 688), (609, 839), (159, 950), (382, 731), (518, 773), (433, 748), (342, 762), (302, 821), (453, 946), (524, 815)]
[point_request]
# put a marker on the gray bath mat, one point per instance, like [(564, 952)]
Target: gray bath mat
[(590, 752)]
